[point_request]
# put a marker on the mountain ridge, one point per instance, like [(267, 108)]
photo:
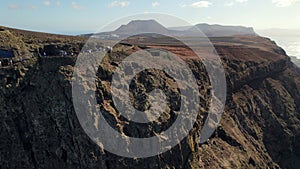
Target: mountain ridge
[(152, 26)]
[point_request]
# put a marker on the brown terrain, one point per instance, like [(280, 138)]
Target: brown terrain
[(260, 127)]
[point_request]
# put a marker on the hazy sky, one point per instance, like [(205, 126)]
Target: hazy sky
[(70, 16)]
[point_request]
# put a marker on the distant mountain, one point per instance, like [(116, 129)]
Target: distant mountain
[(220, 30), (135, 27), (150, 26), (141, 26)]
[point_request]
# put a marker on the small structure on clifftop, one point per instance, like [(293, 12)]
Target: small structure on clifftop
[(6, 57), (5, 54)]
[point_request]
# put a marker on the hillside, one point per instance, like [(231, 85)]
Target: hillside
[(260, 127)]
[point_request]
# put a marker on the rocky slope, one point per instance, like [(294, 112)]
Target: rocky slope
[(259, 128)]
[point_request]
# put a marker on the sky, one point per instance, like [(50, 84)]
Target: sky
[(82, 16)]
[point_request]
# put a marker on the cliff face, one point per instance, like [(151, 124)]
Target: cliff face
[(259, 128)]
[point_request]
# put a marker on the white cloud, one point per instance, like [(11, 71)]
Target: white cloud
[(154, 4), (232, 3), (75, 5), (284, 3), (198, 4), (119, 3), (47, 3), (13, 6), (201, 4), (183, 5), (241, 1), (51, 2)]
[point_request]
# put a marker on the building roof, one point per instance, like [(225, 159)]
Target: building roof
[(6, 54)]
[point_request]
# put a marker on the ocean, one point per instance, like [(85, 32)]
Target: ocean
[(290, 44), (288, 40)]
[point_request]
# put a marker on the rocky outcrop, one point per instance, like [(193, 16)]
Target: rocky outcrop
[(12, 46)]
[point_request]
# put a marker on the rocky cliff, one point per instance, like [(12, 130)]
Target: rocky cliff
[(259, 128)]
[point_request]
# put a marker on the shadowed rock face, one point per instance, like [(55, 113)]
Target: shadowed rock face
[(259, 128)]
